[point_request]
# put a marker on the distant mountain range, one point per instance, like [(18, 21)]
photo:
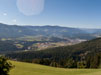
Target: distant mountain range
[(14, 31)]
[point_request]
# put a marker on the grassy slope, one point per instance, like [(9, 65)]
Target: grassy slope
[(33, 69)]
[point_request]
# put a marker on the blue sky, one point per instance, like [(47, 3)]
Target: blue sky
[(68, 13)]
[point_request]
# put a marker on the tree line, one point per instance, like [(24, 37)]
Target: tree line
[(83, 55)]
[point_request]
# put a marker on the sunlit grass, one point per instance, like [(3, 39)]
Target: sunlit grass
[(34, 69)]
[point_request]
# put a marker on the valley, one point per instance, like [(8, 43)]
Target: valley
[(83, 55), (50, 37)]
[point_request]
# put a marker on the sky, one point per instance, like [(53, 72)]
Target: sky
[(67, 13)]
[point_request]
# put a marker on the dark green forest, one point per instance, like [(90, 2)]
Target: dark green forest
[(84, 55)]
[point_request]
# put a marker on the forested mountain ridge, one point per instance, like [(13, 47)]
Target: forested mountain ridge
[(14, 31), (84, 55)]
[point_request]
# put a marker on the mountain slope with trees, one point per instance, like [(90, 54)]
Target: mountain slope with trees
[(14, 31), (83, 55)]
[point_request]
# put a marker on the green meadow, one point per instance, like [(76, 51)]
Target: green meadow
[(22, 68)]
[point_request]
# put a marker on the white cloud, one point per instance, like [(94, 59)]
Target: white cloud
[(5, 14), (14, 20)]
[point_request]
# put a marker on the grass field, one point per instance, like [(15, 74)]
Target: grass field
[(34, 69)]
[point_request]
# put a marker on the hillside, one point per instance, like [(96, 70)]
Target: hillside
[(34, 69), (83, 55), (14, 31)]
